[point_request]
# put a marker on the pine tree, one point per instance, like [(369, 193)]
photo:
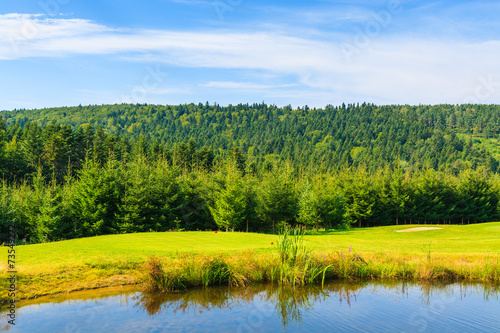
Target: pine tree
[(331, 203), (229, 209), (395, 193), (308, 210), (360, 196), (3, 170), (32, 145), (237, 158), (130, 213), (479, 200), (36, 232), (50, 214), (278, 198), (97, 197), (7, 216)]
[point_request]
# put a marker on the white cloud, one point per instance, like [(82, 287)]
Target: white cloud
[(23, 28), (322, 15), (398, 69)]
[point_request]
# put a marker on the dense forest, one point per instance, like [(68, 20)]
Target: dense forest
[(442, 137), (84, 171)]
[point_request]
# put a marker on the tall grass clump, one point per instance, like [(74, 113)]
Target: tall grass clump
[(348, 265), (155, 275), (296, 265), (156, 279), (290, 245), (216, 272), (189, 272)]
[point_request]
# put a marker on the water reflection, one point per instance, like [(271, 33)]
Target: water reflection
[(347, 307), (289, 303)]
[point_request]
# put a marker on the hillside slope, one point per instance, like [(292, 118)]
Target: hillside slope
[(441, 137)]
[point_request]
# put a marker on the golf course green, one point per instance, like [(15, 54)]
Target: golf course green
[(470, 252)]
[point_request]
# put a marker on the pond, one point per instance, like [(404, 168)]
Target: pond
[(339, 307)]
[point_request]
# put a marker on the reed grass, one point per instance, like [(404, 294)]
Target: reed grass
[(184, 271), (293, 264), (314, 268), (297, 266)]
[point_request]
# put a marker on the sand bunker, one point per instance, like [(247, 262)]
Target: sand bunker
[(418, 229)]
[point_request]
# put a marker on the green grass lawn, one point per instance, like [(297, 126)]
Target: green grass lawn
[(116, 260), (477, 239), (136, 247)]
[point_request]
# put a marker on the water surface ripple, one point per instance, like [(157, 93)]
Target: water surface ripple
[(339, 307)]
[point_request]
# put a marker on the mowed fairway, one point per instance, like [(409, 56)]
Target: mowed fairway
[(470, 252), (478, 239), (135, 247)]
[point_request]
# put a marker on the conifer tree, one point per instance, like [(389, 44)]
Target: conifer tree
[(32, 145), (97, 197), (237, 158), (360, 196), (479, 200), (308, 210), (394, 193), (330, 201), (278, 198), (49, 215), (14, 162), (252, 221), (229, 208), (34, 201), (3, 170), (130, 216), (7, 214)]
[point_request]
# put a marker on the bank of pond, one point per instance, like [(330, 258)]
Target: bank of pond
[(293, 268), (288, 262)]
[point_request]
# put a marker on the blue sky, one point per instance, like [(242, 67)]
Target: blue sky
[(315, 52)]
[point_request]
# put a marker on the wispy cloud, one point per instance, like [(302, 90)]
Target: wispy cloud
[(30, 27), (320, 15), (399, 68), (244, 85), (168, 91)]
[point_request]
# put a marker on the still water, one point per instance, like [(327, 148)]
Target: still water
[(338, 307)]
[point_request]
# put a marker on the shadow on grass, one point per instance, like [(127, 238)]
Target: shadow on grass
[(339, 231)]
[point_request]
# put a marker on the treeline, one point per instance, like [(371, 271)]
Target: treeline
[(56, 149), (85, 171), (442, 137), (154, 195)]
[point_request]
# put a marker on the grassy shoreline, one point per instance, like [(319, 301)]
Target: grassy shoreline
[(454, 253), (250, 268)]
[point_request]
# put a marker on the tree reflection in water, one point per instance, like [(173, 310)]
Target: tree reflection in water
[(289, 302)]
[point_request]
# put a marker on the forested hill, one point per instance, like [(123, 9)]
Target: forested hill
[(442, 137), (85, 171)]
